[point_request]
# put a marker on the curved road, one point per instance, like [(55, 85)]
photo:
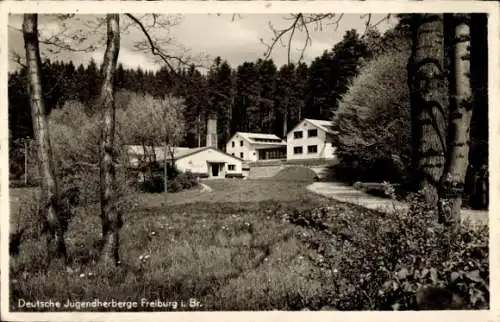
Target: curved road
[(345, 193)]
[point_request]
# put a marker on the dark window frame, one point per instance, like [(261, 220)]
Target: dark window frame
[(315, 131), (312, 146)]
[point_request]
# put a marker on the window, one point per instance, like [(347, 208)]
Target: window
[(266, 140), (241, 143), (297, 149), (232, 144), (241, 155), (232, 153), (312, 149), (231, 167), (312, 133), (297, 135)]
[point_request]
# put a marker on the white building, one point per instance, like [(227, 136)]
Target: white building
[(310, 139), (256, 146), (205, 161)]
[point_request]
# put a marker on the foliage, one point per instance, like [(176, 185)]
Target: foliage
[(177, 181), (184, 180), (145, 120), (373, 121), (329, 75), (386, 262), (75, 144), (220, 98)]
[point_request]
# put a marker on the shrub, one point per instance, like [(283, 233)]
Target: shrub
[(394, 261), (154, 184), (182, 181), (373, 121), (75, 143), (384, 189)]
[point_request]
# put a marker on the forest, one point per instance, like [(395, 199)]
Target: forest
[(253, 96)]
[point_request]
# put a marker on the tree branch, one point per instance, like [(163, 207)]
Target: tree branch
[(302, 21), (154, 47)]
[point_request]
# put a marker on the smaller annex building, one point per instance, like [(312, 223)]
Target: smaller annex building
[(311, 139), (256, 146), (207, 162)]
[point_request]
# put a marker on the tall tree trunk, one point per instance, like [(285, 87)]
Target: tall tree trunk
[(110, 215), (429, 103), (452, 184), (50, 194)]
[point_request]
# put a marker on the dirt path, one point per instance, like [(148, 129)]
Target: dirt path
[(344, 193), (205, 188)]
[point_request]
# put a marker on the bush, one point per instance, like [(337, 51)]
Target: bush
[(182, 181), (154, 184), (373, 121), (75, 143), (384, 189), (394, 261)]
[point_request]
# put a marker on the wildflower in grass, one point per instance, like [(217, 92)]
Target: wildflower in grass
[(82, 275), (153, 233)]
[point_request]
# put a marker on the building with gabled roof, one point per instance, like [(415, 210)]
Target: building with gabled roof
[(256, 146), (311, 139), (204, 161)]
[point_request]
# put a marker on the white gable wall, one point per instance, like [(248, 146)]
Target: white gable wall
[(246, 151), (323, 149), (198, 162)]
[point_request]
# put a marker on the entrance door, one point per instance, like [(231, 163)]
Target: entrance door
[(215, 169)]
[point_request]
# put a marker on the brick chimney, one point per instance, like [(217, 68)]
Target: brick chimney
[(212, 131)]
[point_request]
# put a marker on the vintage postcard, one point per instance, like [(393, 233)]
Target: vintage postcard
[(249, 160)]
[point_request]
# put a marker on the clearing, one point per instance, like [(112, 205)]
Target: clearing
[(229, 248)]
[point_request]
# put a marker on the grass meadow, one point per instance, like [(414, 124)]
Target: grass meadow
[(230, 249), (267, 244)]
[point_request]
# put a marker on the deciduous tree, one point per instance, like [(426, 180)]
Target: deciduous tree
[(458, 140), (110, 214), (55, 226)]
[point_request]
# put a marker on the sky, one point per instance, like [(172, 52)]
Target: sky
[(197, 37)]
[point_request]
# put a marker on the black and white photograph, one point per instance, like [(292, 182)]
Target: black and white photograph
[(316, 160)]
